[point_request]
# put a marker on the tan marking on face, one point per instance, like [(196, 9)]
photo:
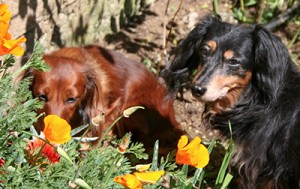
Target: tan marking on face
[(212, 45), (230, 90), (228, 54)]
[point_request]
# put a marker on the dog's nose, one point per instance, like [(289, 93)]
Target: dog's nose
[(198, 91)]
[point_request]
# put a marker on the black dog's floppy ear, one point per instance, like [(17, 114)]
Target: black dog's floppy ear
[(185, 55), (272, 61)]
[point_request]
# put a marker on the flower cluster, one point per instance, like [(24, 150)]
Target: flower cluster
[(57, 131), (193, 153), (7, 44)]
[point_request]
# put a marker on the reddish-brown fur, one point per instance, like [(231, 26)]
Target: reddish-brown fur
[(85, 82)]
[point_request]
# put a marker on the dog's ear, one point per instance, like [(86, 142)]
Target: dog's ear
[(92, 104), (272, 61), (186, 56)]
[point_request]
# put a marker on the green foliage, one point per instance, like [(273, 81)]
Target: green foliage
[(36, 60), (150, 65), (15, 115), (242, 10)]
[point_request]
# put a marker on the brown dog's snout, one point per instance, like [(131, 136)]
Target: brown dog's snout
[(198, 91)]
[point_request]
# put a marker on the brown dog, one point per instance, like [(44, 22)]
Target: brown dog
[(85, 82)]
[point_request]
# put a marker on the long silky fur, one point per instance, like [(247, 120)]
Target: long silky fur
[(266, 119)]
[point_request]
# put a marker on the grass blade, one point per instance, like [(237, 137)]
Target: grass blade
[(226, 160), (227, 180), (197, 176), (78, 129)]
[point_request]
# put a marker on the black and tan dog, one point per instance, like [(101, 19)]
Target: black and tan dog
[(245, 75)]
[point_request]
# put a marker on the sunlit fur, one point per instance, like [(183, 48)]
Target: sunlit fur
[(85, 82), (245, 75)]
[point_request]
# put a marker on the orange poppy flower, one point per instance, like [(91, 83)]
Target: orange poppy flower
[(56, 130), (5, 15), (8, 45), (193, 153), (48, 151), (136, 179), (129, 181)]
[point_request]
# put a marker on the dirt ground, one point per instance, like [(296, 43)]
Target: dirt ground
[(143, 40)]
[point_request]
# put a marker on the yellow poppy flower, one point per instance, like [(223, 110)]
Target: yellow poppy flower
[(149, 177), (143, 167), (193, 153), (8, 45), (129, 181), (56, 130), (136, 179)]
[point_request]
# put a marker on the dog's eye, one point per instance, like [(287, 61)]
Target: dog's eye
[(71, 100), (233, 62), (42, 98), (204, 52)]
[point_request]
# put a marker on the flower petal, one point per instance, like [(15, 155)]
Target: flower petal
[(142, 167), (12, 46), (5, 14), (182, 142), (7, 45), (3, 32), (150, 177), (193, 144), (48, 151), (56, 130), (204, 159), (129, 181)]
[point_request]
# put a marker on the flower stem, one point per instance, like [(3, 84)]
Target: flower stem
[(85, 132), (107, 130)]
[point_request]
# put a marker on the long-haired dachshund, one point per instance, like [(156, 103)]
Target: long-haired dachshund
[(85, 82), (245, 76)]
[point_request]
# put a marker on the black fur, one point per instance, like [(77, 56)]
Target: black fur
[(265, 118)]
